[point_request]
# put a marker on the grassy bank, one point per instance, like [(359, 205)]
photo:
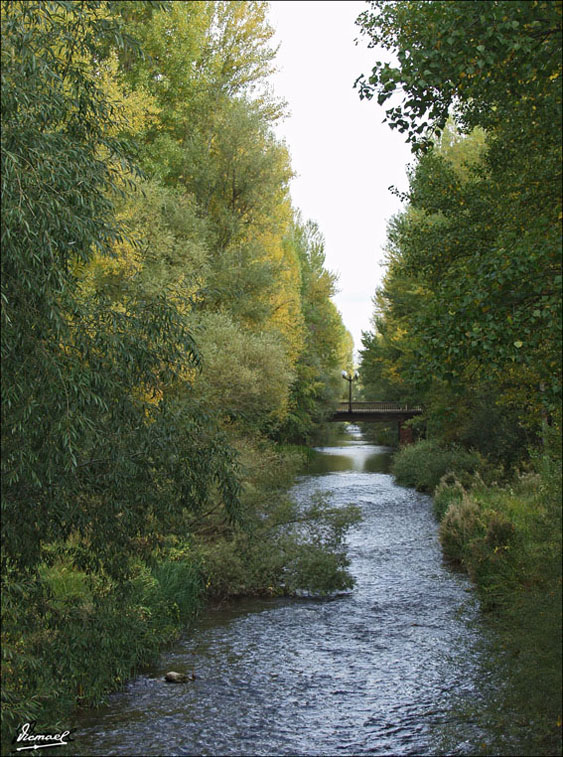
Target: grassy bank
[(507, 537), (70, 637)]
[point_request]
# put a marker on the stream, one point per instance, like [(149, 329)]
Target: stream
[(385, 669)]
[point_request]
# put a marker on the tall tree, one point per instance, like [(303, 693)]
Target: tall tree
[(327, 345), (212, 140), (485, 62), (85, 359), (481, 236)]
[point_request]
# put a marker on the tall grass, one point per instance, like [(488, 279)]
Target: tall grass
[(508, 539)]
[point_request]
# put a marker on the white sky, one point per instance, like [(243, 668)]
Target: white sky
[(344, 156)]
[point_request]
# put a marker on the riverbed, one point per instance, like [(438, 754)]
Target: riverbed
[(384, 669)]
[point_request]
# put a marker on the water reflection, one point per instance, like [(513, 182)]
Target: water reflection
[(350, 453), (334, 460)]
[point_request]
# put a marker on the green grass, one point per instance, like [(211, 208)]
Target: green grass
[(511, 548)]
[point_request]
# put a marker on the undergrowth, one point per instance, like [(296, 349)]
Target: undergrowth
[(507, 537), (69, 637), (422, 465)]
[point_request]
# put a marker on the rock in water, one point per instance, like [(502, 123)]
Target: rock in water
[(173, 677)]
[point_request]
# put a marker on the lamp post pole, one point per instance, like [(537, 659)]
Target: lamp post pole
[(349, 377)]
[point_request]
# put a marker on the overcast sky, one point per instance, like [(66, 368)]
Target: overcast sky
[(344, 156)]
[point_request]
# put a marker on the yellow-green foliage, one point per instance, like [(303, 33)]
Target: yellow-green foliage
[(67, 585), (69, 638), (247, 375), (118, 472)]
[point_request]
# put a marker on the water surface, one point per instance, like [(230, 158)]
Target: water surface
[(373, 671)]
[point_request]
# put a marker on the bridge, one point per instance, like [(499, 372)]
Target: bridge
[(372, 412)]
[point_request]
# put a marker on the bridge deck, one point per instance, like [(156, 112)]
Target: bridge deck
[(374, 411)]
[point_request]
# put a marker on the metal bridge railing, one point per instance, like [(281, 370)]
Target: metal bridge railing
[(363, 407)]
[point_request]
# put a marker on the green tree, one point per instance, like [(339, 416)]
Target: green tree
[(446, 317), (485, 61), (84, 362), (481, 236), (327, 346)]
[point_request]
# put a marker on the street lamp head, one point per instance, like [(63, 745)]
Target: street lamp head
[(344, 374), (356, 375)]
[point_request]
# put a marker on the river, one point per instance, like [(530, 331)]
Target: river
[(385, 669)]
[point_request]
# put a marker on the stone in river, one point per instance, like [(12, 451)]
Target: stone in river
[(173, 677)]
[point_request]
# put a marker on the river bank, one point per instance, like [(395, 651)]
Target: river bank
[(70, 637), (407, 659), (507, 538), (373, 670)]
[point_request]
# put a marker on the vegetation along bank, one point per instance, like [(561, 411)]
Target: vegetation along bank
[(167, 336), (467, 321)]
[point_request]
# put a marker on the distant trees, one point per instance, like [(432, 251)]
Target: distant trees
[(327, 346), (470, 311)]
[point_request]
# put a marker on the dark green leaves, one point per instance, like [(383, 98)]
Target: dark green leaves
[(85, 361), (459, 55)]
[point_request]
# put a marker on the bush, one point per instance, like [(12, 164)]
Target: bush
[(290, 548), (283, 546), (423, 464), (448, 492), (461, 525), (68, 638), (313, 547), (509, 541)]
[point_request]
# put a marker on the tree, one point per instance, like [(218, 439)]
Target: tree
[(327, 345), (487, 62), (85, 357), (481, 235)]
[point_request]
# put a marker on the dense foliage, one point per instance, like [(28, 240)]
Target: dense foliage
[(163, 307), (468, 319)]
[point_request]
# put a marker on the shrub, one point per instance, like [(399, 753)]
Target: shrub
[(68, 638), (290, 547), (461, 525), (423, 464), (283, 545), (317, 571), (449, 491)]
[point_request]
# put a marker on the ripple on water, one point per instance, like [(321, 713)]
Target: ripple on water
[(370, 672)]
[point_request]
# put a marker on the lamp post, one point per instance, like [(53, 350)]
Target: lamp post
[(349, 377)]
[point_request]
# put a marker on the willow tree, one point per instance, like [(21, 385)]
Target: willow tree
[(88, 448)]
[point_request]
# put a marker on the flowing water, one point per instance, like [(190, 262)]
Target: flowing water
[(373, 671)]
